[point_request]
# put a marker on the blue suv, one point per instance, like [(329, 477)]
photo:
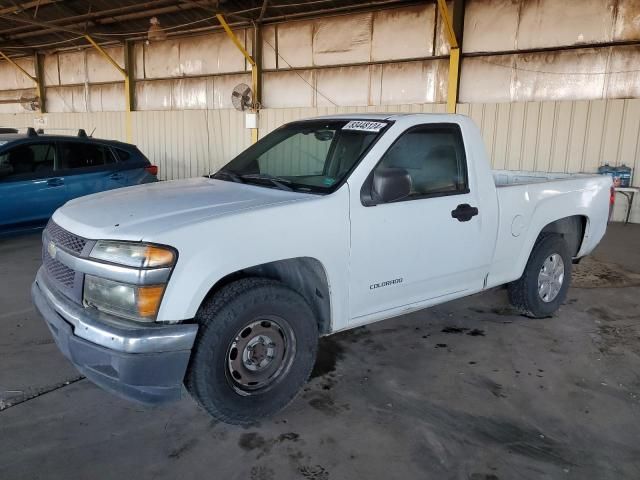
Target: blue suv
[(39, 173)]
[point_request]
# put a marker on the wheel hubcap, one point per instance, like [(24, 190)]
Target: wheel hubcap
[(551, 278), (259, 355)]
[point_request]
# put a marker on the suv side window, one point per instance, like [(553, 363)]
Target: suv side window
[(28, 161), (75, 155), (123, 155), (434, 157)]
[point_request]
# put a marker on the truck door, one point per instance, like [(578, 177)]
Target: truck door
[(427, 245)]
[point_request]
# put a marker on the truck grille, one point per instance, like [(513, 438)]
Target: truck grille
[(64, 239), (57, 271), (67, 281)]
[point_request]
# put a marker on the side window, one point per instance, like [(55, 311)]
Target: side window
[(76, 155), (123, 155), (434, 157), (28, 161)]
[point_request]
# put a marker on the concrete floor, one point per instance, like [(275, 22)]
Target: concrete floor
[(467, 390)]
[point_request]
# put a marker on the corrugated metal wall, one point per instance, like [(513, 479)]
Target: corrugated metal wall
[(546, 136)]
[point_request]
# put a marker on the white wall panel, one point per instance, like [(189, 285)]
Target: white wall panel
[(72, 66), (490, 26), (162, 59), (403, 33), (587, 73), (414, 82), (99, 69), (50, 70), (288, 89), (15, 95), (106, 98), (295, 44), (627, 22), (342, 40), (67, 99), (155, 95), (269, 47), (11, 78), (624, 63), (549, 23), (189, 93), (499, 25), (342, 86)]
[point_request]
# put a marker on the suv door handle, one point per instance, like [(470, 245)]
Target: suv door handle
[(115, 176), (55, 182), (464, 212)]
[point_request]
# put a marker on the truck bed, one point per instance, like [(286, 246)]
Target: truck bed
[(506, 178)]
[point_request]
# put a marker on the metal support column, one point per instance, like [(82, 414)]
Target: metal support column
[(453, 29), (38, 67)]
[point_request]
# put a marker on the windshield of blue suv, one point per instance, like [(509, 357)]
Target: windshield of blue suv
[(308, 156)]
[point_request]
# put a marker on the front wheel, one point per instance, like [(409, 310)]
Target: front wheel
[(543, 286), (255, 349)]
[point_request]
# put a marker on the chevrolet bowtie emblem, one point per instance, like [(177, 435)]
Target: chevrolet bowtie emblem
[(52, 249)]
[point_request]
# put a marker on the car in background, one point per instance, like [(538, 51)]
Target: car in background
[(39, 173)]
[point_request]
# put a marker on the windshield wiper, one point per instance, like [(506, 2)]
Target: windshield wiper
[(228, 173), (277, 181)]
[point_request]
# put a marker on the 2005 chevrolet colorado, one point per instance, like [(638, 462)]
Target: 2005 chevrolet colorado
[(225, 283)]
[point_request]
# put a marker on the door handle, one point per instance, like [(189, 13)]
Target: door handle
[(115, 176), (464, 212), (55, 182)]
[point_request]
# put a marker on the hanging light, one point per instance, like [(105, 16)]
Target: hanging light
[(155, 32)]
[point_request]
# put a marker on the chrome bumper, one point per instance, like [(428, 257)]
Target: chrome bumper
[(144, 362)]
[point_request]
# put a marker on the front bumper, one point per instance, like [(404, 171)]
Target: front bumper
[(146, 363)]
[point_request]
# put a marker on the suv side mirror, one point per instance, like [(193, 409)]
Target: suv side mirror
[(390, 184)]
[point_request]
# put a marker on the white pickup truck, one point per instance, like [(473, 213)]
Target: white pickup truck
[(223, 284)]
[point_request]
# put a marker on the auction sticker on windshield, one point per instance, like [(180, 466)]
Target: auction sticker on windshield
[(364, 126)]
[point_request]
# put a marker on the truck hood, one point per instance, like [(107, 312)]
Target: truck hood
[(140, 212)]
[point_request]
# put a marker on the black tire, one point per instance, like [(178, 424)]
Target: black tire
[(523, 293), (210, 374)]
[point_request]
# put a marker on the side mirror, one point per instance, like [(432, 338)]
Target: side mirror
[(390, 184)]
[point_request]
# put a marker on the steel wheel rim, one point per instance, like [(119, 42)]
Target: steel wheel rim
[(259, 355), (551, 278)]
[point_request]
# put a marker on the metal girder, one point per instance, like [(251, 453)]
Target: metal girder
[(453, 29)]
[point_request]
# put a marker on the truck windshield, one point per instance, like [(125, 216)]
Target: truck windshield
[(313, 156)]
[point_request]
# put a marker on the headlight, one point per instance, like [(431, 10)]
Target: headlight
[(132, 254), (122, 297), (135, 302)]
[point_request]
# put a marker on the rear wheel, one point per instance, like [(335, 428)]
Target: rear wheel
[(543, 286), (255, 349)]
